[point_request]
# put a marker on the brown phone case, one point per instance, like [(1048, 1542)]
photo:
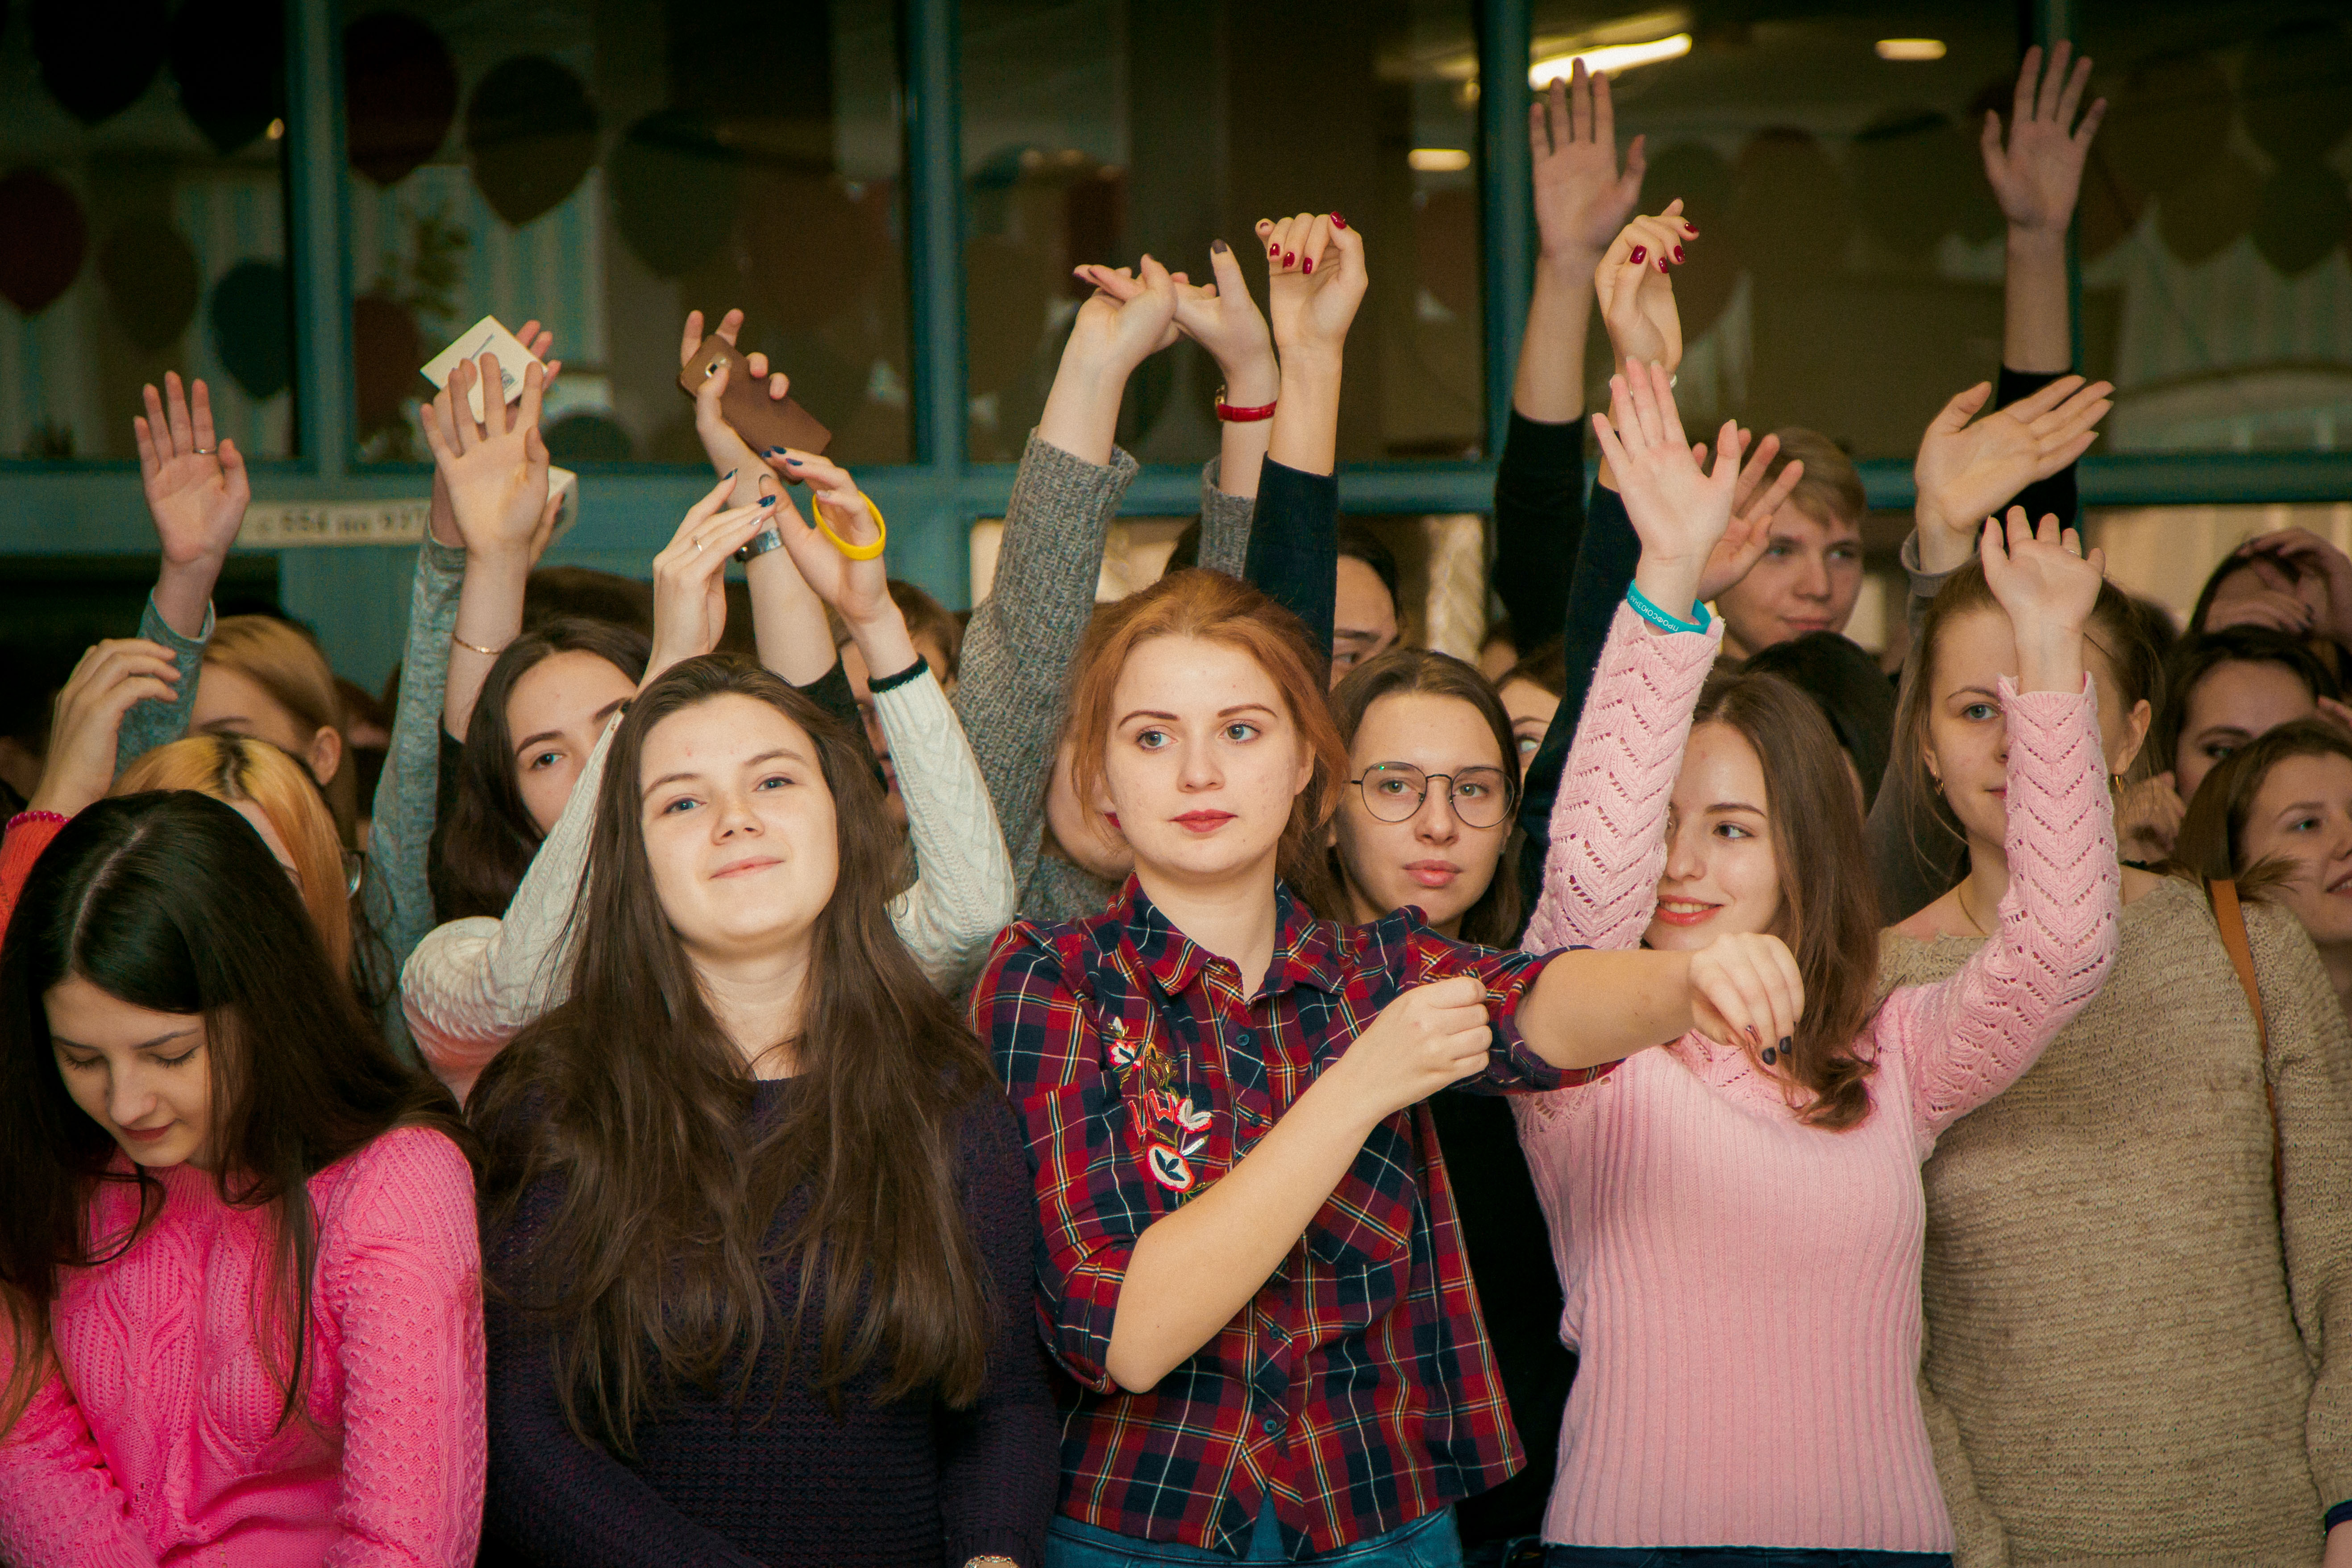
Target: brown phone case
[(762, 421)]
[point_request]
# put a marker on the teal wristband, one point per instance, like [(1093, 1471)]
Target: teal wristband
[(1648, 610)]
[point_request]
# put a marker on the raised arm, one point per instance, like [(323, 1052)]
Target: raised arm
[(198, 490), (1971, 1035), (1017, 651), (963, 892)]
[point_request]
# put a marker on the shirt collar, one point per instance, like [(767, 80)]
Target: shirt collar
[(1306, 951)]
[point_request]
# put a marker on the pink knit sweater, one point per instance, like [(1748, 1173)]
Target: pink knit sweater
[(1744, 1290), (161, 1445)]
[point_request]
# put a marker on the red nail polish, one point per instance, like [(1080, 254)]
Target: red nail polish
[(1661, 264), (1307, 264), (1274, 250), (1690, 229), (1290, 258), (1641, 254), (1678, 255), (1338, 221)]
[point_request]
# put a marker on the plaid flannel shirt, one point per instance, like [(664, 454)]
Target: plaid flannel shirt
[(1357, 1387)]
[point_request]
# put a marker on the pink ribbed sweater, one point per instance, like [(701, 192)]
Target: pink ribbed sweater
[(161, 1445), (1744, 1290)]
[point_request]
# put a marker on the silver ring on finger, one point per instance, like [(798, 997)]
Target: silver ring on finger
[(203, 451)]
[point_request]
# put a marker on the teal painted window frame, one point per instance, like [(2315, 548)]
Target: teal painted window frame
[(357, 595)]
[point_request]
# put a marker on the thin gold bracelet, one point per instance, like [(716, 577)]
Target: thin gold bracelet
[(476, 647)]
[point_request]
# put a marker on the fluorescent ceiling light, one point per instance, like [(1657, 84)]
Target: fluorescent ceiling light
[(1608, 57), (1910, 49), (1438, 159)]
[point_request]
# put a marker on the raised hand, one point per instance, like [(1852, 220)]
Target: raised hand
[(2038, 175), (1429, 1037), (2311, 556), (495, 472), (1317, 281), (198, 490), (443, 518), (1964, 470), (1636, 289), (1126, 325), (859, 590), (1753, 504), (1221, 317), (1679, 512), (1581, 199), (1747, 991), (114, 675), (2041, 577), (691, 575), (729, 452)]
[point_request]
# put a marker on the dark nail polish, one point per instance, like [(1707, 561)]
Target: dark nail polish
[(793, 462), (1338, 220), (767, 500), (1641, 254), (1290, 258), (731, 474), (1307, 264), (775, 452), (1678, 254), (1753, 1038), (1787, 1044), (1218, 247), (1770, 1056)]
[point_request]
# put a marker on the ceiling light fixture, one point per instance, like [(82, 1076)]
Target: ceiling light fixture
[(1910, 49), (1610, 59), (1438, 159)]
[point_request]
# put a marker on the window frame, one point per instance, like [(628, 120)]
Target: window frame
[(358, 595)]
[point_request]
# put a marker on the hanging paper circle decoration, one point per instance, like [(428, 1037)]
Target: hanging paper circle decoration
[(42, 240), (531, 133), (151, 281), (98, 60), (230, 59), (675, 190), (400, 93), (386, 349), (249, 328)]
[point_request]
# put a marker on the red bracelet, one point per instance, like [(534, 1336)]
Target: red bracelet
[(30, 815), (1232, 416)]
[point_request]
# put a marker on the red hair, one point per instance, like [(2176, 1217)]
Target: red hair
[(1213, 607)]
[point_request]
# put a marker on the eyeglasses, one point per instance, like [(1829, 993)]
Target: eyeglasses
[(1481, 797)]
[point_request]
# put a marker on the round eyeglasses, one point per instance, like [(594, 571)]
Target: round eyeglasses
[(1481, 797)]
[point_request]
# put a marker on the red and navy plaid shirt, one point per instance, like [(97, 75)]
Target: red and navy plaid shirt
[(1357, 1387)]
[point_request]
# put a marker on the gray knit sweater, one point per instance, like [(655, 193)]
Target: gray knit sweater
[(1017, 651), (2127, 1361)]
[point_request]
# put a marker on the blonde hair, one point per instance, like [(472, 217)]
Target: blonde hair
[(234, 769), (279, 658), (1829, 489)]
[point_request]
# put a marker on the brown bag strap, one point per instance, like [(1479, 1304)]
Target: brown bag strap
[(2230, 916)]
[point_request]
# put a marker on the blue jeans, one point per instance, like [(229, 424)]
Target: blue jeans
[(1429, 1541), (1737, 1557)]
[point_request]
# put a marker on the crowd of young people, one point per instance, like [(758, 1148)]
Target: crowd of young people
[(1094, 1087)]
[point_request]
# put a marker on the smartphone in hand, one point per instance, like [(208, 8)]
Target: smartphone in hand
[(762, 421)]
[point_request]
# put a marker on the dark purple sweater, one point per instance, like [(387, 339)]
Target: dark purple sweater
[(905, 1483)]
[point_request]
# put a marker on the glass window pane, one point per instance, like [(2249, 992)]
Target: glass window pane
[(607, 168), (142, 222), (2215, 222), (1847, 276), (1097, 130)]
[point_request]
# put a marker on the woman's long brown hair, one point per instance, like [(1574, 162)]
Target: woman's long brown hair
[(170, 901), (653, 1272), (1828, 898)]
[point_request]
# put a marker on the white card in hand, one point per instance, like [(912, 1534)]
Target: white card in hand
[(565, 484), (484, 337)]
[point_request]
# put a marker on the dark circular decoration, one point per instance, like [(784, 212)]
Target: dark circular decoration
[(97, 60), (2170, 125), (42, 240), (1705, 283), (249, 328), (400, 93), (151, 280), (2199, 222), (2302, 216), (1918, 177), (675, 190), (2296, 92), (230, 59), (1791, 213), (531, 133), (586, 437), (386, 348)]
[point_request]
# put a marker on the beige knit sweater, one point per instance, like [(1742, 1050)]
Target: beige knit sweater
[(2123, 1365)]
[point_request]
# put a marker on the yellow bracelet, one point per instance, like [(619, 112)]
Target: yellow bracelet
[(854, 552)]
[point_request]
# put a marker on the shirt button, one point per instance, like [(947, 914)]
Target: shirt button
[(1245, 1039), (1272, 1423)]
